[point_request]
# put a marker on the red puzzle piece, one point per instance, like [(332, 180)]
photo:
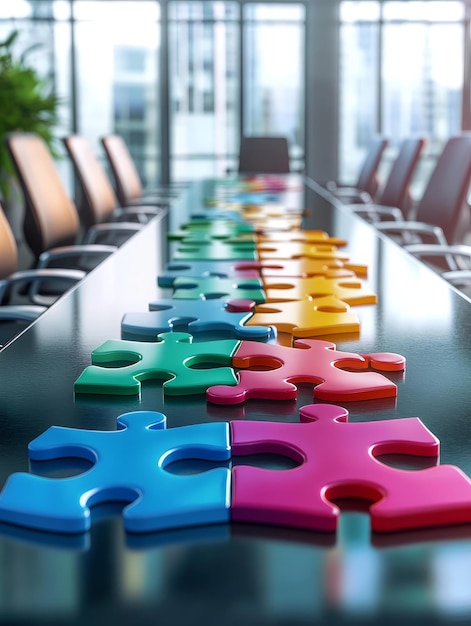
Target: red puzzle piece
[(309, 361), (338, 461)]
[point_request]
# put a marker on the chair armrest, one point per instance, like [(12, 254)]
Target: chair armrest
[(375, 212), (21, 312), (350, 194), (458, 277), (62, 253), (140, 213), (450, 253), (410, 230), (33, 279), (109, 229)]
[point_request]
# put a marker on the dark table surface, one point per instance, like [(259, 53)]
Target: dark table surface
[(235, 573)]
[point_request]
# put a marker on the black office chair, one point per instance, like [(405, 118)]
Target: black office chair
[(264, 155), (20, 299), (51, 224), (367, 184), (394, 199), (442, 213), (128, 184), (99, 202)]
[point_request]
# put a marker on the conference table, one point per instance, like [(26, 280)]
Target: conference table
[(239, 573)]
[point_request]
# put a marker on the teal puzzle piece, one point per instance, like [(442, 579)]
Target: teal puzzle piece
[(129, 465), (169, 359), (212, 287)]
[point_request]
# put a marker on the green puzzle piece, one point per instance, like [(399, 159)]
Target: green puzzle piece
[(169, 359)]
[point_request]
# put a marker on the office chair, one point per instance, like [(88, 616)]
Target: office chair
[(129, 188), (394, 200), (367, 184), (23, 286), (263, 155), (443, 210), (51, 224), (99, 202)]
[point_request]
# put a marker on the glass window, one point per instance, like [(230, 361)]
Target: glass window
[(358, 95), (274, 73), (204, 90), (117, 75), (424, 11)]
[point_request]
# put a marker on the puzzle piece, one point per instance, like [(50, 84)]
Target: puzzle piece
[(128, 465), (307, 318), (216, 228), (304, 236), (207, 236), (298, 250), (215, 251), (215, 287), (300, 268), (204, 269), (170, 359), (309, 361), (348, 289), (337, 460), (197, 315)]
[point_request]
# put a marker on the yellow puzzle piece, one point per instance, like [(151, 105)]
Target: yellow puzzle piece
[(348, 289), (307, 318)]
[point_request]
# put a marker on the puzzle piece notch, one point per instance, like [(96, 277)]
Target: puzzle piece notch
[(157, 500), (298, 250), (214, 287), (308, 361), (337, 460), (170, 359), (304, 236), (298, 268), (197, 316), (308, 318)]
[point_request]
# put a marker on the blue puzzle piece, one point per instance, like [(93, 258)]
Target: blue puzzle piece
[(203, 269), (197, 315), (214, 287), (128, 466)]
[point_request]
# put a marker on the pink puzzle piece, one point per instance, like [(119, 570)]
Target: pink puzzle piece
[(348, 289), (307, 318), (337, 460), (309, 361)]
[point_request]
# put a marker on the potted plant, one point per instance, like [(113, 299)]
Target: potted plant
[(27, 104)]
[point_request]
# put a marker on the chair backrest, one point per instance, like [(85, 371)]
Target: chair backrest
[(98, 197), (368, 177), (264, 155), (8, 249), (51, 217), (396, 191), (127, 179), (444, 201)]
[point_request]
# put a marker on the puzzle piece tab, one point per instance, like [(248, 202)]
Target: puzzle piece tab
[(197, 315), (338, 460), (214, 287), (169, 359), (309, 361), (348, 289), (128, 465), (307, 318)]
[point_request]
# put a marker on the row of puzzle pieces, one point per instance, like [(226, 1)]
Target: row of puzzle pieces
[(302, 497), (334, 459)]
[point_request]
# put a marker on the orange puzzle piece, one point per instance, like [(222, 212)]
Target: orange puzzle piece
[(304, 236), (298, 250)]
